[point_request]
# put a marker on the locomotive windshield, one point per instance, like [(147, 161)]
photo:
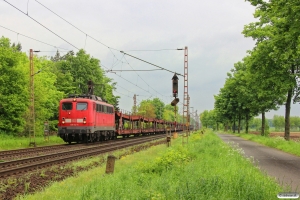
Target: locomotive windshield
[(81, 106), (67, 106)]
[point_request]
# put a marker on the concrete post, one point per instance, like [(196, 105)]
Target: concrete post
[(110, 164)]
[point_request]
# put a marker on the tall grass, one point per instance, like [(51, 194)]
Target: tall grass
[(280, 143), (206, 168), (8, 142)]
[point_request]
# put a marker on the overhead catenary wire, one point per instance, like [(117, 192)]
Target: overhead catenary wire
[(131, 70), (123, 94), (41, 24), (87, 35), (156, 49), (150, 63), (33, 38), (124, 88), (129, 81), (131, 91), (151, 95), (142, 78)]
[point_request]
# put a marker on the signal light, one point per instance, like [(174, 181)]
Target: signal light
[(174, 102)]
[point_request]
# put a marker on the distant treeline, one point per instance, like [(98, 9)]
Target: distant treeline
[(209, 120)]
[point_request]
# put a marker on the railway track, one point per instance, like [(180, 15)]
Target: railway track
[(16, 167), (38, 151), (27, 152)]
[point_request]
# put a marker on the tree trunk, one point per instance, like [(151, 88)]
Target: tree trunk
[(247, 123), (263, 123), (234, 125), (217, 126), (239, 128), (287, 115)]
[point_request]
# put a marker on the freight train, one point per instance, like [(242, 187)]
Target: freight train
[(88, 118)]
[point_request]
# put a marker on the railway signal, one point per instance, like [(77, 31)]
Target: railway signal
[(175, 85), (175, 90), (174, 102)]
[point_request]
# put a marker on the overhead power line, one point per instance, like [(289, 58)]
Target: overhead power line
[(41, 24), (150, 63), (130, 70), (34, 39), (129, 81), (87, 35), (156, 50), (143, 79)]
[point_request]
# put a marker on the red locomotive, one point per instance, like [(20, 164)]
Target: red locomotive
[(87, 118)]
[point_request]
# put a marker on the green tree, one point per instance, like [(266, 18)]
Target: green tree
[(278, 28), (159, 107), (295, 123), (169, 114), (267, 92), (278, 122), (204, 118), (255, 123), (14, 79), (146, 109), (47, 95)]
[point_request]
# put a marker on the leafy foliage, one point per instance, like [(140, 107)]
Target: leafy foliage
[(155, 108), (13, 87), (208, 118)]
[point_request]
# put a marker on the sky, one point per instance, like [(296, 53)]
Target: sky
[(149, 30)]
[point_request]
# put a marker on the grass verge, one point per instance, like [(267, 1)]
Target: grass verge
[(206, 168), (280, 143), (8, 142)]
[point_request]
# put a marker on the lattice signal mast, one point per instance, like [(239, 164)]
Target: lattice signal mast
[(186, 129)]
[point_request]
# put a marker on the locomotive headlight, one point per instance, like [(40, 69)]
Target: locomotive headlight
[(63, 120), (74, 99), (84, 120)]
